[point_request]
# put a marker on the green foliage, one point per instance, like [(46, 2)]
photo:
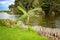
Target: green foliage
[(7, 22), (25, 4), (30, 28), (47, 5), (21, 9), (32, 12), (2, 21), (28, 14), (18, 34), (7, 11), (50, 5)]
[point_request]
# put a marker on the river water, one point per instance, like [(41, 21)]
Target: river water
[(57, 22), (52, 22), (42, 20)]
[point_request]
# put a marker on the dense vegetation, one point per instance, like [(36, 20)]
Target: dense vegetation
[(48, 6)]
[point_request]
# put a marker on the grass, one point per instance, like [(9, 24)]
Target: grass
[(18, 34)]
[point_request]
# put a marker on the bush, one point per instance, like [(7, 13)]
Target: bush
[(6, 22), (2, 22)]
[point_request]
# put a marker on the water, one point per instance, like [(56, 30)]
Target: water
[(52, 22), (4, 15), (58, 22), (42, 20)]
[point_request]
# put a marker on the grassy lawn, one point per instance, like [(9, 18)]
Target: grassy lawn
[(18, 34)]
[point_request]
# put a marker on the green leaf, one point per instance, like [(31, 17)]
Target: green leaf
[(21, 9)]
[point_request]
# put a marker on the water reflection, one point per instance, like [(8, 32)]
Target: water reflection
[(42, 20), (58, 22), (4, 15), (52, 21)]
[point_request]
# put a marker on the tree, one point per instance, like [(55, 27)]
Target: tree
[(13, 9), (25, 4), (28, 14), (50, 5)]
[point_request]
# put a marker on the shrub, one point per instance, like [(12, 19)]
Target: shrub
[(6, 22)]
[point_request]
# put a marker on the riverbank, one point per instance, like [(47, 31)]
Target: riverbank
[(50, 33)]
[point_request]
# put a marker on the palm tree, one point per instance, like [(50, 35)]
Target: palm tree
[(28, 14)]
